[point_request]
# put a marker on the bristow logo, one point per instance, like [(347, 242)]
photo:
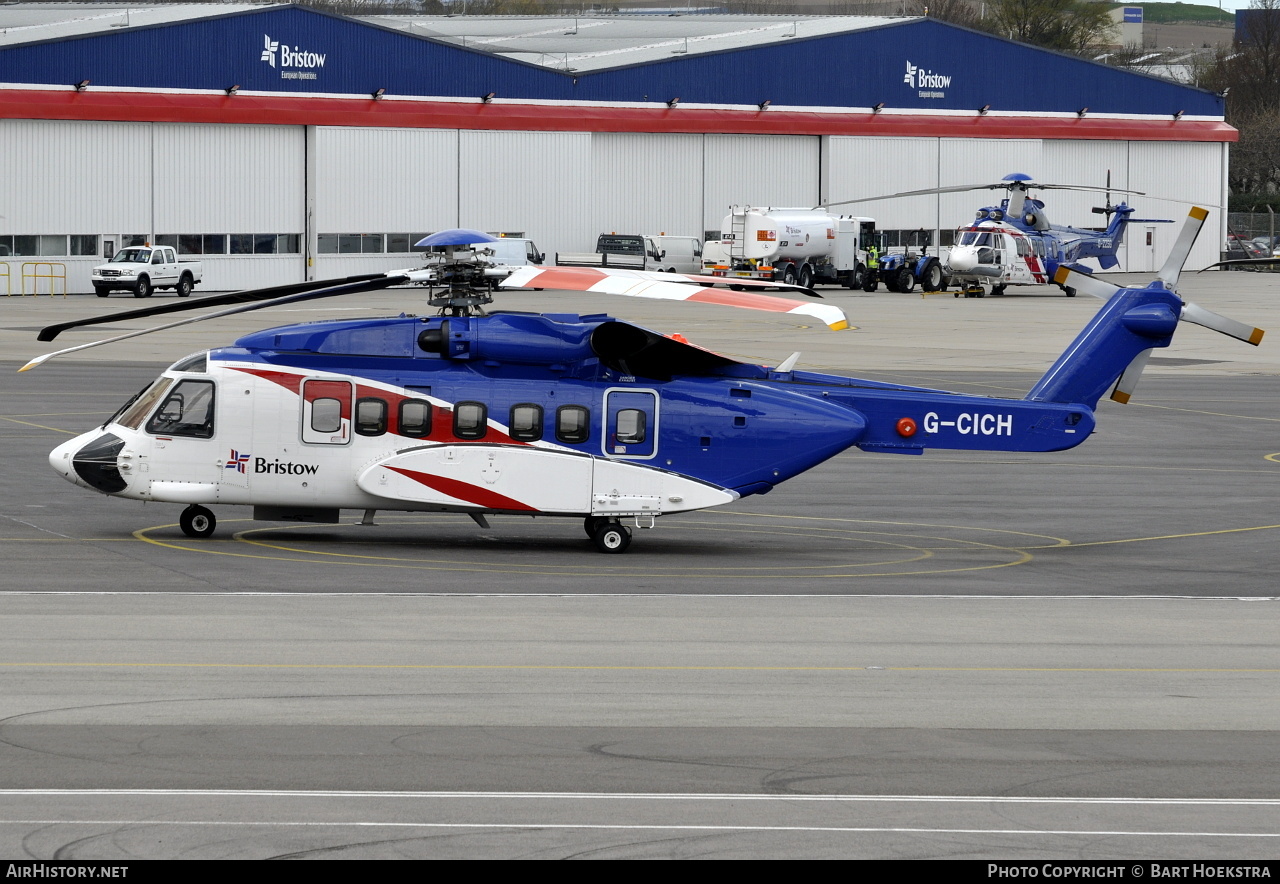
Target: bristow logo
[(269, 53), (290, 57), (237, 460), (918, 78)]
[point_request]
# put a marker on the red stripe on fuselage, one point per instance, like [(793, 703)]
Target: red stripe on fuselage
[(466, 491), (441, 420)]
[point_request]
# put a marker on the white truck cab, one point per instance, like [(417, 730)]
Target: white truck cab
[(143, 269)]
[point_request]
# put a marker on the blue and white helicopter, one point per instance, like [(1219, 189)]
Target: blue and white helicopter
[(589, 417), (1014, 243)]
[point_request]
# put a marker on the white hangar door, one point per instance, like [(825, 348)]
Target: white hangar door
[(234, 198)]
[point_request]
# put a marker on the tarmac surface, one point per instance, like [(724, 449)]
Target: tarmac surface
[(960, 655)]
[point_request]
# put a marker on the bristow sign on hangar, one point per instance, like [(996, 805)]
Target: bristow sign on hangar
[(926, 83), (291, 57)]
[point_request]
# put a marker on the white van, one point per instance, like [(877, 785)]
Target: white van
[(680, 254), (514, 252)]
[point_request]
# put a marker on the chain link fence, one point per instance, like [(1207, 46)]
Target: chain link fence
[(1252, 235)]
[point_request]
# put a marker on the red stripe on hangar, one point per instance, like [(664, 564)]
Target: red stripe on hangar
[(391, 112)]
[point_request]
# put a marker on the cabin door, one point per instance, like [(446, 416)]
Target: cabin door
[(630, 424)]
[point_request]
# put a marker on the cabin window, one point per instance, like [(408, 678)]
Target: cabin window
[(573, 423), (1024, 248), (371, 417), (470, 420), (187, 411), (415, 418), (526, 422), (631, 426), (326, 415)]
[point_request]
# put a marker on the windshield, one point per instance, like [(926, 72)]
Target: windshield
[(131, 256), (143, 403), (975, 237)]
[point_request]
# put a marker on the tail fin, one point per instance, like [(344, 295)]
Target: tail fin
[(1130, 323)]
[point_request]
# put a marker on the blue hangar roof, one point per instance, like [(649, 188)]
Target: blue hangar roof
[(914, 65)]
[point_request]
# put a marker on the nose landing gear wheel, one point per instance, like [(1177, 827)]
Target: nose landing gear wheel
[(612, 538), (197, 521)]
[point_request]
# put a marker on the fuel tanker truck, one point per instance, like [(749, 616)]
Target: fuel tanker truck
[(809, 246), (795, 246)]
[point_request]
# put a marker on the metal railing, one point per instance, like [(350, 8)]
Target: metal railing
[(55, 271), (8, 278)]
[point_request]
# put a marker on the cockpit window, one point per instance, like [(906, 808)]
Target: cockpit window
[(196, 362), (975, 238), (142, 404), (187, 411)]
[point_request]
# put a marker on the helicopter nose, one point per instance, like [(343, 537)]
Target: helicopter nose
[(60, 458), (962, 259), (94, 462)]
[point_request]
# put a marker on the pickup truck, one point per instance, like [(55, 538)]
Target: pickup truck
[(675, 254), (143, 269)]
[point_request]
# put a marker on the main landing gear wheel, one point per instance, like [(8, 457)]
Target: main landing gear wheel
[(197, 521), (997, 290), (612, 537), (592, 524)]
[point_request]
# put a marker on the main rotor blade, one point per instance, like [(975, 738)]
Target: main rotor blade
[(367, 285), (1219, 323), (961, 188), (1241, 261), (689, 278), (1128, 381), (1172, 268), (590, 279), (1083, 282), (1084, 188), (48, 333)]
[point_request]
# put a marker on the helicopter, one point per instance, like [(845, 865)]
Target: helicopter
[(1014, 243), (488, 413)]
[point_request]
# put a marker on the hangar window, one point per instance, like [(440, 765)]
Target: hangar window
[(403, 242), (573, 423), (187, 411), (415, 418), (470, 420), (349, 243), (526, 422), (371, 416), (198, 243)]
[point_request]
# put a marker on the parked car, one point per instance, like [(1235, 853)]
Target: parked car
[(143, 269)]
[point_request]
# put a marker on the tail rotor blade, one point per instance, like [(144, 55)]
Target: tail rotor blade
[(1083, 282), (1182, 247), (1219, 323), (1128, 381)]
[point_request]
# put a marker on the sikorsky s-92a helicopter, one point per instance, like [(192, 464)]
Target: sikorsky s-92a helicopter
[(1014, 243), (589, 417)]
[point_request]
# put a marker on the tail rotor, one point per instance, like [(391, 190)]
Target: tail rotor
[(1157, 320)]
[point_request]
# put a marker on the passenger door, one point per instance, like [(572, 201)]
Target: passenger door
[(630, 424)]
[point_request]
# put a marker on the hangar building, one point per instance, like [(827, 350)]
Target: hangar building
[(279, 143)]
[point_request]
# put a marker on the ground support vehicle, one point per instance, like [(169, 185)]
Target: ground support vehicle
[(143, 269), (804, 247), (902, 271), (657, 252)]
